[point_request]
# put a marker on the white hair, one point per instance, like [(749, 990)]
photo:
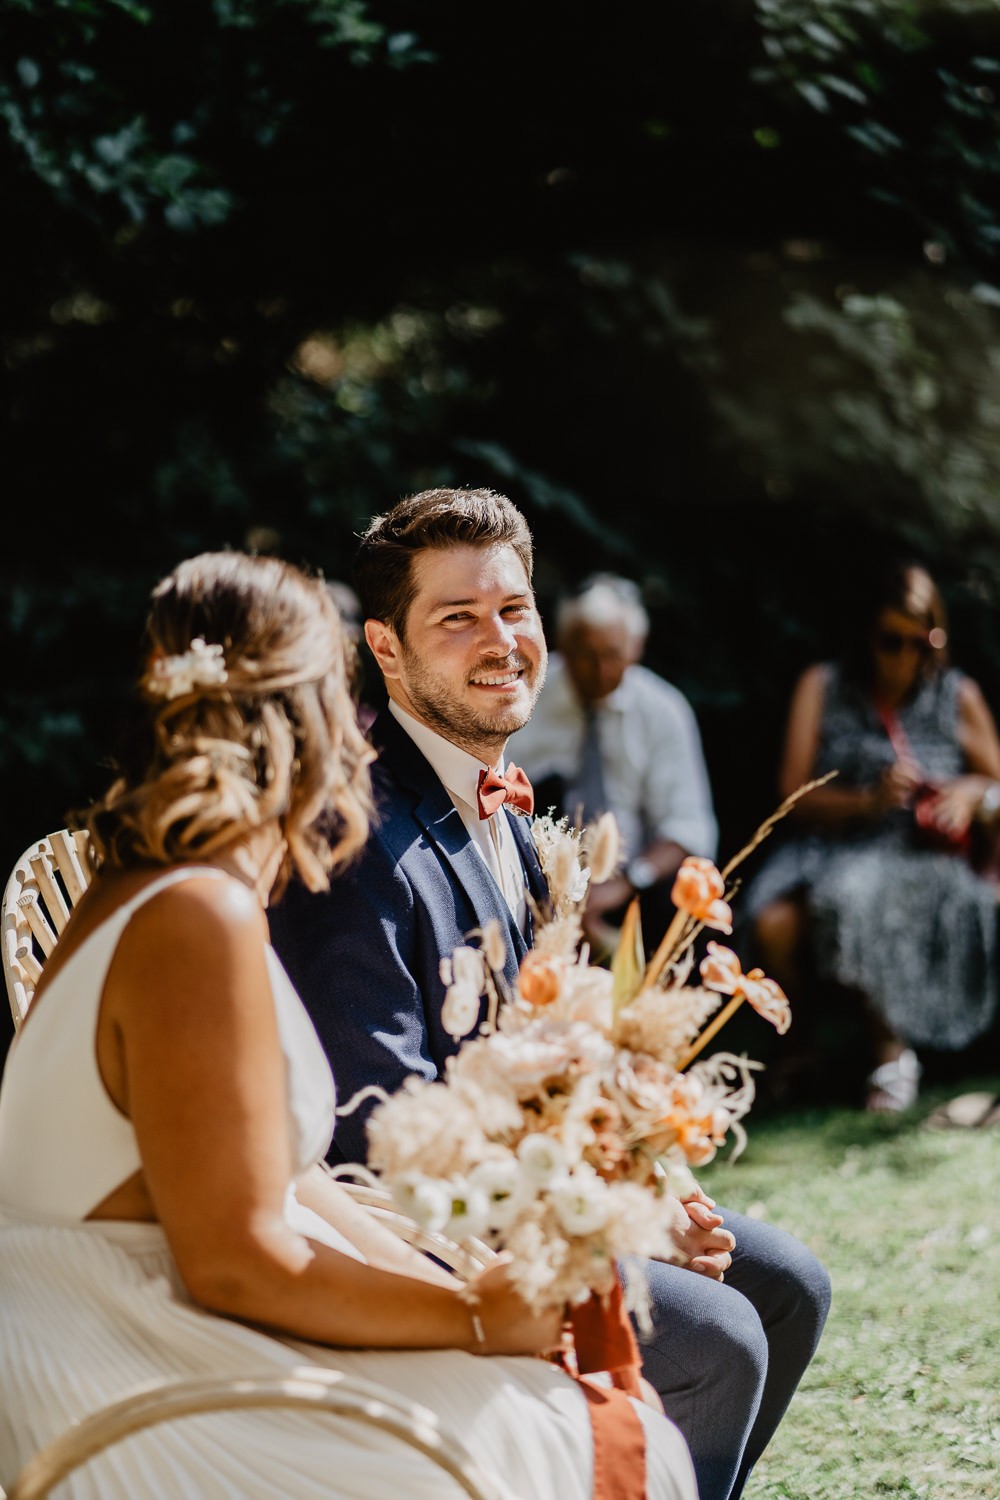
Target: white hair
[(605, 599)]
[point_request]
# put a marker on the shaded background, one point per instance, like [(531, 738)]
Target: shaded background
[(711, 291)]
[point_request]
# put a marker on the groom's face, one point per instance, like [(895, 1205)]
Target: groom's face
[(472, 657)]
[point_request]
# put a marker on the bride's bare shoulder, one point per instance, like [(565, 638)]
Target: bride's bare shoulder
[(203, 897)]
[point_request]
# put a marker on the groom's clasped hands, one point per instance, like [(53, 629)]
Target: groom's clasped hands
[(704, 1245)]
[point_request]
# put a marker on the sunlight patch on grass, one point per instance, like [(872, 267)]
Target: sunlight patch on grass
[(902, 1398)]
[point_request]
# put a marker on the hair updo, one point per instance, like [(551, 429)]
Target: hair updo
[(269, 732)]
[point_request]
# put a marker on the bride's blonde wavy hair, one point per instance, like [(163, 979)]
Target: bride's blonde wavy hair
[(277, 738)]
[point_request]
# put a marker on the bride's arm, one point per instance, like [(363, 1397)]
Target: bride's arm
[(189, 1011)]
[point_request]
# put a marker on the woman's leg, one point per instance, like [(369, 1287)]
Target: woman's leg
[(779, 937), (780, 946)]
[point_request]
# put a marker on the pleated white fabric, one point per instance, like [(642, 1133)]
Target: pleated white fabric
[(89, 1311)]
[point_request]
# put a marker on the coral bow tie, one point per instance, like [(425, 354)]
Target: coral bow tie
[(495, 790)]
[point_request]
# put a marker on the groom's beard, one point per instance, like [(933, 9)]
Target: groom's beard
[(447, 709)]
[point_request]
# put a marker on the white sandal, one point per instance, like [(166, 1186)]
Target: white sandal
[(893, 1085)]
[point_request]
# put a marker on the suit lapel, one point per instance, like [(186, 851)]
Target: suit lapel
[(446, 834)]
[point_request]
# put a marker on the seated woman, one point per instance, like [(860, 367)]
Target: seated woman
[(166, 1105), (876, 879)]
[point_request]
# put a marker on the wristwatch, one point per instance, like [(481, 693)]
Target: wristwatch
[(989, 803), (640, 873)]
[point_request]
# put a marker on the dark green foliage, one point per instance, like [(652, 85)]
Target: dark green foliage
[(909, 88), (710, 290)]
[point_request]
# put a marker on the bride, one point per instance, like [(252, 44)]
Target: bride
[(166, 1106)]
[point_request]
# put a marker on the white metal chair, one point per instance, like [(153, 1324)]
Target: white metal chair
[(44, 886)]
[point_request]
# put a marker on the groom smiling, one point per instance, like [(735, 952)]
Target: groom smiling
[(444, 580)]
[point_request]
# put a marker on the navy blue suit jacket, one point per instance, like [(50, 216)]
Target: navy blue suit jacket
[(365, 956)]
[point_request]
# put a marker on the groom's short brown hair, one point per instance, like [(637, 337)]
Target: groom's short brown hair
[(383, 567)]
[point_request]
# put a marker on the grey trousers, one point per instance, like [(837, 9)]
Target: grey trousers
[(726, 1357)]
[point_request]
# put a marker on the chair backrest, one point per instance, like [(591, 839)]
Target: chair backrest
[(46, 883)]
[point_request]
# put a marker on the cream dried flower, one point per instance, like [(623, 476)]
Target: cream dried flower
[(423, 1123), (603, 844), (539, 1254), (590, 997), (465, 967), (201, 665), (558, 848), (559, 1131), (580, 1201), (569, 878), (560, 935), (502, 1181), (678, 1179), (470, 1211), (477, 1075), (664, 1022), (543, 1159), (494, 945), (424, 1200), (460, 1009)]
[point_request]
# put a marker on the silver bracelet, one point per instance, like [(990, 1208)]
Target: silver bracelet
[(471, 1300), (478, 1330)]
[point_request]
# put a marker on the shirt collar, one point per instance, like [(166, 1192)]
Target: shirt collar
[(457, 770)]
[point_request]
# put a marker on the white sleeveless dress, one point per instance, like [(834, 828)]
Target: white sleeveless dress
[(90, 1310)]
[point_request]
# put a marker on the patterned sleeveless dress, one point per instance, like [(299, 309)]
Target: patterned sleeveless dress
[(912, 928)]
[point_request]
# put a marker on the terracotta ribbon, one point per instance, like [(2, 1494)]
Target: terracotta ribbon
[(513, 787), (603, 1340)]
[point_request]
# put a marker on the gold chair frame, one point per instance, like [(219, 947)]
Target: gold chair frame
[(306, 1388)]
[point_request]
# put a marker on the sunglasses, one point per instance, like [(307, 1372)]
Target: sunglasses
[(893, 642)]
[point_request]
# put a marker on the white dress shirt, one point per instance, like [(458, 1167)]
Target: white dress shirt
[(654, 769), (458, 772)]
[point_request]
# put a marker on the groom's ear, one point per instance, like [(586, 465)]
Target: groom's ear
[(383, 643)]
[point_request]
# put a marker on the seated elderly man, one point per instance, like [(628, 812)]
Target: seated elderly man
[(607, 734)]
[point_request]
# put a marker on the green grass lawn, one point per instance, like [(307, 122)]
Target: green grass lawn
[(903, 1397)]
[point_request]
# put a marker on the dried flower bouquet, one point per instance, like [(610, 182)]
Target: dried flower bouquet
[(563, 1131)]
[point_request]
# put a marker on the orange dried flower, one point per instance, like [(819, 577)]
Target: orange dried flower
[(768, 999), (698, 890), (540, 978), (721, 970)]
